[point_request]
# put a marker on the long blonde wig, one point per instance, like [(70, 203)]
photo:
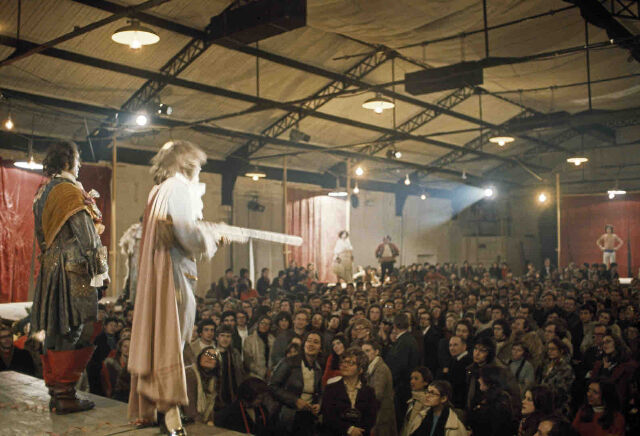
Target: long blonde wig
[(176, 157)]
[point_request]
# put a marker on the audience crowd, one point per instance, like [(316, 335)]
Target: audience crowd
[(436, 350)]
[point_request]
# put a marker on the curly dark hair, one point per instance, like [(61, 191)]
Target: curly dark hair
[(60, 156)]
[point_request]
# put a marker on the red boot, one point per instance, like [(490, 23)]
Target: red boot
[(67, 367), (47, 375)]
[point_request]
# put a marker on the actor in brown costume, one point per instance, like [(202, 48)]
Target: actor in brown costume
[(73, 263)]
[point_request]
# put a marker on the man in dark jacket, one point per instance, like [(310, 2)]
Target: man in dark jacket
[(12, 358), (430, 339), (247, 414), (401, 357), (457, 372)]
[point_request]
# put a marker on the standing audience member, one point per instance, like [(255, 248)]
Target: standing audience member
[(537, 403), (332, 367), (493, 415), (441, 419), (257, 349), (349, 406), (420, 378), (202, 386), (600, 416), (378, 376), (457, 371), (401, 357), (296, 385)]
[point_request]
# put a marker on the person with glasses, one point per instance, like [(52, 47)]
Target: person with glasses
[(349, 406), (441, 419), (202, 386), (257, 349)]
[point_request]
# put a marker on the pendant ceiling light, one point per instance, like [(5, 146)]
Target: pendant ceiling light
[(577, 160), (134, 35), (255, 174), (501, 140), (378, 103), (30, 163)]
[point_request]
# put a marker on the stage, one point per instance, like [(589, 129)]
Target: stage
[(24, 411)]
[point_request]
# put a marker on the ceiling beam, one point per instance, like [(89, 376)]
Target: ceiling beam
[(214, 90), (172, 122)]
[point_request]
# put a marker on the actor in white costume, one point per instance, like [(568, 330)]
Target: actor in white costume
[(343, 257)]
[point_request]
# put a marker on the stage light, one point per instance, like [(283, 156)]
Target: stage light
[(30, 164), (407, 180), (542, 197), (501, 140), (8, 124), (423, 196), (164, 109), (134, 35), (141, 120), (378, 103), (489, 192), (397, 154), (577, 160), (356, 190), (359, 171)]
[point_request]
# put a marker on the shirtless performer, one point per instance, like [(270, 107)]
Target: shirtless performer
[(609, 243)]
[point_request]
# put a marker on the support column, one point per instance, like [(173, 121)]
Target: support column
[(285, 247), (347, 225), (558, 221), (113, 255)]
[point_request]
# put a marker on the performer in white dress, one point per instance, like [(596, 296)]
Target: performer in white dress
[(343, 257)]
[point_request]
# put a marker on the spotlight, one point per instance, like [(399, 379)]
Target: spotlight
[(359, 171), (164, 109), (141, 120), (489, 192), (407, 181), (542, 197), (8, 124)]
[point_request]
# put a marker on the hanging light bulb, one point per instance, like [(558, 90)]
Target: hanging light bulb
[(378, 103), (134, 35), (542, 197), (255, 174), (8, 124), (577, 160), (501, 140), (407, 180), (423, 196), (611, 195), (356, 190), (141, 120), (359, 171), (397, 154)]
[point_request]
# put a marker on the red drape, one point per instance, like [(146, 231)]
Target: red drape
[(582, 222), (17, 189), (317, 218)]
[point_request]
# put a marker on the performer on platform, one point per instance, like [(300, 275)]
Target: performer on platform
[(343, 257), (73, 263), (130, 247), (609, 243), (165, 306), (386, 254)]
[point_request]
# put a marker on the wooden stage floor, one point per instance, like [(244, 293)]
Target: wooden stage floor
[(24, 411)]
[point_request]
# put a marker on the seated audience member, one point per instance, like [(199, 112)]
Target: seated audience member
[(419, 380), (257, 348), (520, 366), (537, 402), (247, 414), (456, 374), (113, 366), (493, 414), (12, 358), (441, 419), (378, 376), (231, 368), (242, 325), (332, 367), (228, 318), (615, 366), (202, 386), (349, 406), (555, 425), (296, 385), (558, 374), (105, 342), (600, 416)]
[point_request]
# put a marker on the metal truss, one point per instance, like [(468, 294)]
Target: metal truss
[(324, 95), (629, 9), (151, 88), (422, 118)]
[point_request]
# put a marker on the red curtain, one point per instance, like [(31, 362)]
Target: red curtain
[(17, 189), (316, 218), (582, 222)]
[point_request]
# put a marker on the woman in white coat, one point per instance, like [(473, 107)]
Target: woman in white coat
[(343, 257), (441, 419)]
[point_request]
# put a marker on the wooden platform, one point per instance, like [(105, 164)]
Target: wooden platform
[(24, 411)]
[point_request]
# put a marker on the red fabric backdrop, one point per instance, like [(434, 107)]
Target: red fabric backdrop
[(582, 222), (317, 218), (17, 189)]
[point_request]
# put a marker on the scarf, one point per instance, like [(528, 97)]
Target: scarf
[(228, 391), (439, 429), (416, 414)]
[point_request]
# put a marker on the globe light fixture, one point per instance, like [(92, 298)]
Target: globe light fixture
[(407, 180), (359, 171)]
